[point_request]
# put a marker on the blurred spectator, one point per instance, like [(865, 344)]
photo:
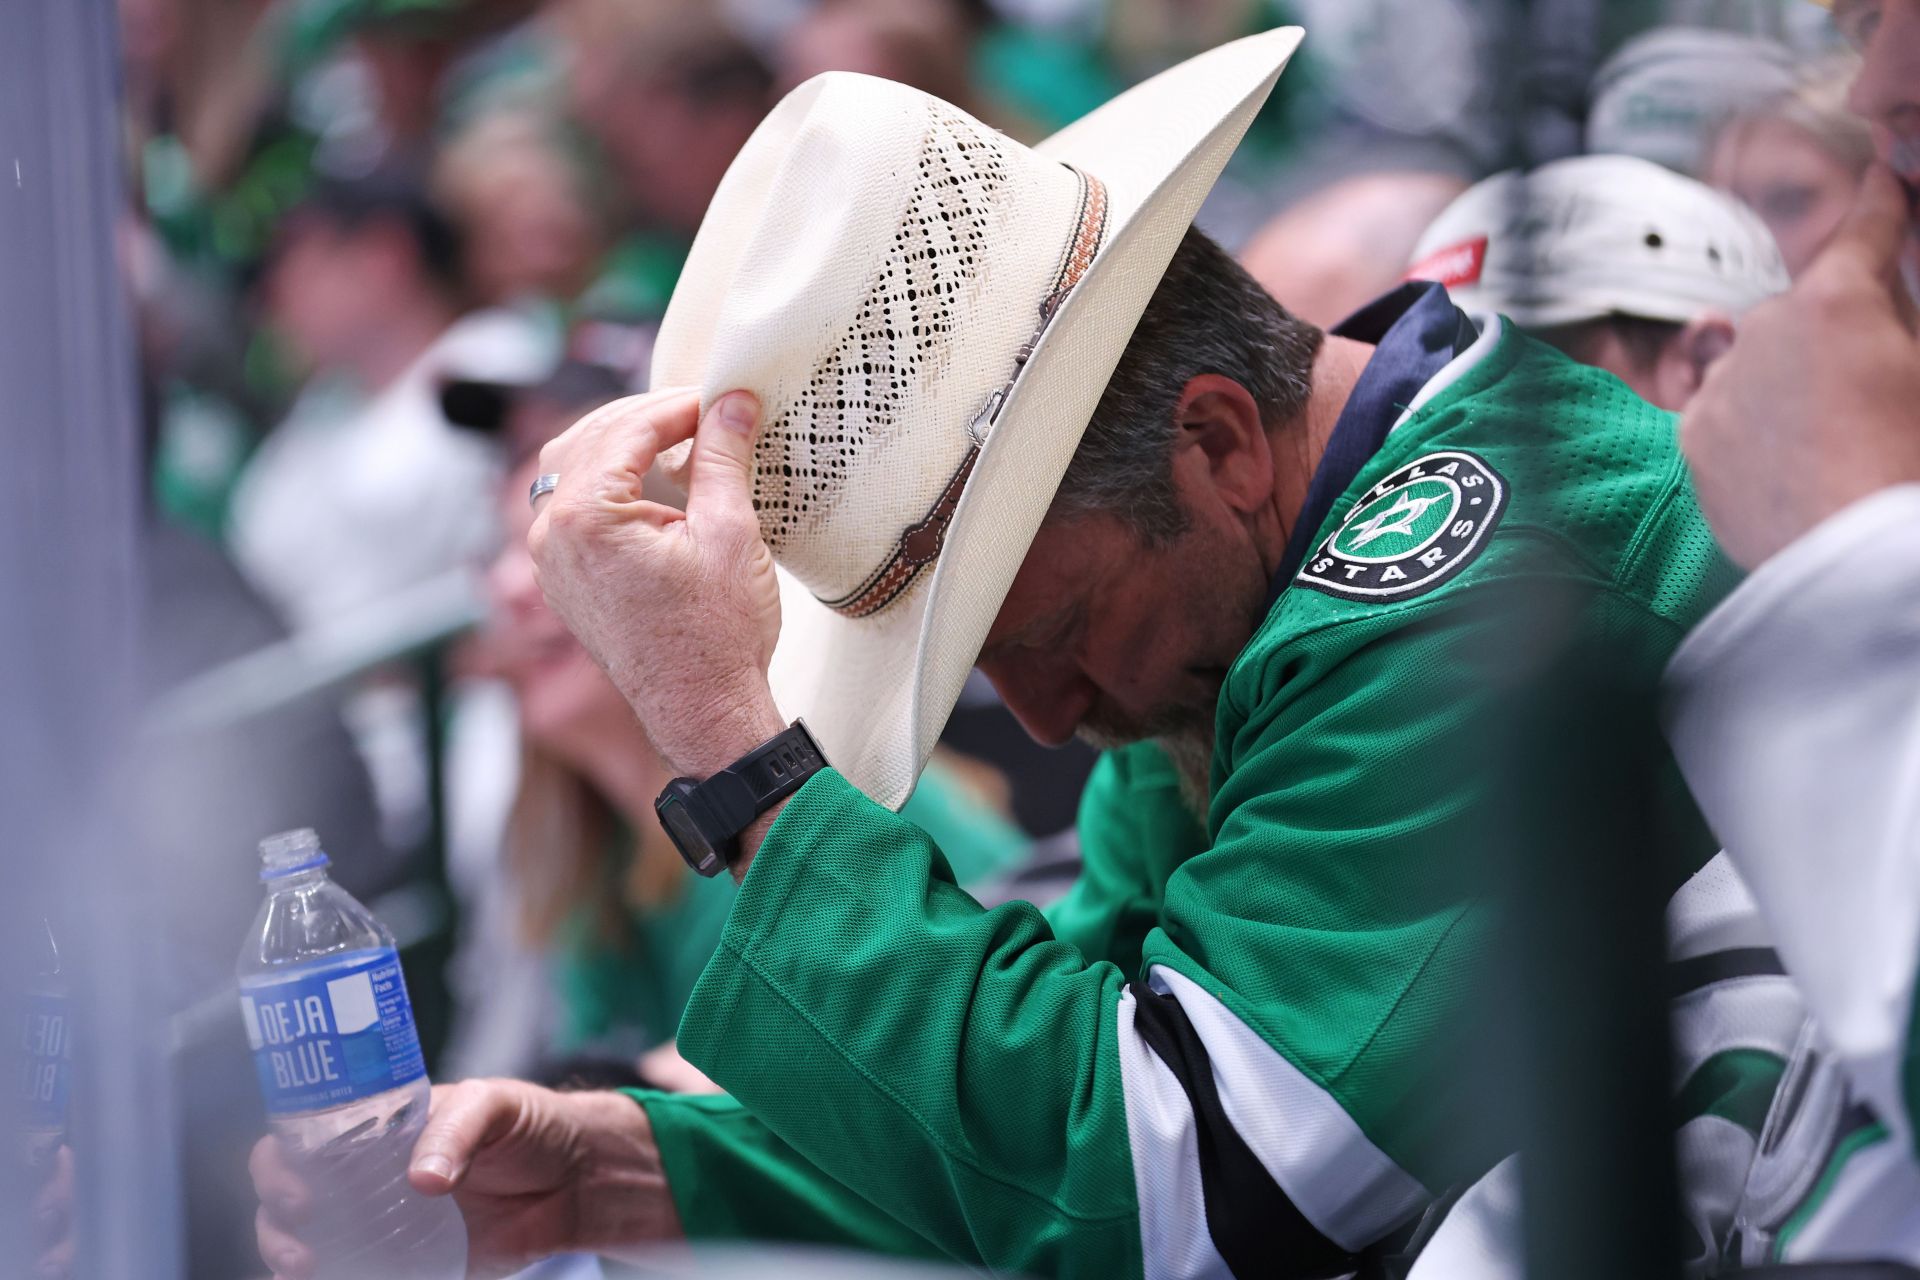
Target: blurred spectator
[(366, 489), (380, 75), (201, 71), (928, 44), (1618, 262), (1342, 246), (670, 93), (1405, 90), (1661, 94), (406, 48), (1793, 709), (1797, 158), (595, 879), (1404, 115), (531, 228)]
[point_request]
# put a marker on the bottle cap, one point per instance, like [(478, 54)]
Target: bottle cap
[(289, 852)]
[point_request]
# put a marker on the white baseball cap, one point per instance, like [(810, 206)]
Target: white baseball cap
[(1594, 236), (1663, 93)]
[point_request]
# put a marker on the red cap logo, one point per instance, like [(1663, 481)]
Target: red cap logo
[(1453, 266)]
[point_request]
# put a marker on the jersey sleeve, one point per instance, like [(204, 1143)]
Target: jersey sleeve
[(1795, 713), (1135, 830), (732, 1178), (952, 1065)]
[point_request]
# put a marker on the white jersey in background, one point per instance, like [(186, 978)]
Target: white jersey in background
[(1795, 715)]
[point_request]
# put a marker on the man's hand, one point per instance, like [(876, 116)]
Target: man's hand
[(534, 1172), (53, 1218), (681, 609), (1818, 403)]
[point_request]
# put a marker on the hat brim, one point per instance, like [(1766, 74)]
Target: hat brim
[(877, 691)]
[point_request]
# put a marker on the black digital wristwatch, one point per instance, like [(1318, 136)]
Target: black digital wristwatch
[(705, 819)]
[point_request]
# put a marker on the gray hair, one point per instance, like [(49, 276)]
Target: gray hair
[(1207, 316)]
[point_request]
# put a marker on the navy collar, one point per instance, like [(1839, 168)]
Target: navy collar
[(1416, 331)]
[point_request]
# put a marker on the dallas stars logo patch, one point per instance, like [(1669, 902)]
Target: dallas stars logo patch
[(1411, 531)]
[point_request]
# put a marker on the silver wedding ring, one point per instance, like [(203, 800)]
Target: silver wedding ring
[(542, 486)]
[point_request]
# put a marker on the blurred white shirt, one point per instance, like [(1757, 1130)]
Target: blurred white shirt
[(353, 499)]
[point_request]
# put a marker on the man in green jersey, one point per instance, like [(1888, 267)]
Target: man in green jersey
[(1300, 579)]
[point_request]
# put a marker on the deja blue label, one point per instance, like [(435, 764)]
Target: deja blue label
[(331, 1033), (46, 1061)]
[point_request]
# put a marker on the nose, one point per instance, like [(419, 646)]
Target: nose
[(1886, 92), (1049, 700), (515, 591)]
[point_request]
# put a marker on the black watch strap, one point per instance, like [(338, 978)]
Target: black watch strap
[(760, 779), (723, 806)]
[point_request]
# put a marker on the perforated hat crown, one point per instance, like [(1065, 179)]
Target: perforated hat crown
[(914, 248), (928, 312)]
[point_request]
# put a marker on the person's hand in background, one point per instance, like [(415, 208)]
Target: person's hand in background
[(535, 1172), (1818, 403), (53, 1218)]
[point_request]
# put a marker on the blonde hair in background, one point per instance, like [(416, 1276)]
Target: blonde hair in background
[(1817, 106), (561, 835), (519, 160)]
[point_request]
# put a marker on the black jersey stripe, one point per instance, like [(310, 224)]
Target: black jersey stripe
[(1256, 1228), (1687, 976)]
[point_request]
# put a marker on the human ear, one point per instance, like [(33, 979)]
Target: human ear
[(1220, 428), (1685, 360)]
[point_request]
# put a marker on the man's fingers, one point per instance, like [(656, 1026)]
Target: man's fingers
[(720, 472), (1874, 234), (631, 434), (53, 1203), (287, 1256), (606, 456), (464, 1119), (275, 1182), (581, 445), (56, 1263)]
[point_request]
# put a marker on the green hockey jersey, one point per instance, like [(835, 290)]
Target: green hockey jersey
[(1269, 1079)]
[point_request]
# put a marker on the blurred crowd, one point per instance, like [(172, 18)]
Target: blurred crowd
[(384, 250)]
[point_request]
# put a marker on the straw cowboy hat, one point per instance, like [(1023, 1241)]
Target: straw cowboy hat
[(929, 312)]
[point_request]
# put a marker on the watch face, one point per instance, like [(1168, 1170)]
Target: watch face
[(685, 833)]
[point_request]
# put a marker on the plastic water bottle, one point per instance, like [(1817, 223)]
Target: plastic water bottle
[(46, 1066), (326, 1012)]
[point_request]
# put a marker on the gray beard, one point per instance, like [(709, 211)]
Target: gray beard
[(1188, 741), (1192, 756)]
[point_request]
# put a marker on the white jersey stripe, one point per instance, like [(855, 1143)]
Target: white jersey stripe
[(1712, 912), (1349, 1189), (1481, 1238), (1174, 1241)]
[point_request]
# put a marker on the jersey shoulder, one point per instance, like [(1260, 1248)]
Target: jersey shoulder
[(1524, 463)]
